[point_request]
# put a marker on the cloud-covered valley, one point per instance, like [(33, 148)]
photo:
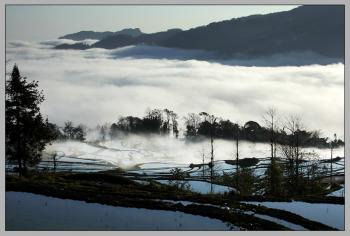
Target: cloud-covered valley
[(98, 85)]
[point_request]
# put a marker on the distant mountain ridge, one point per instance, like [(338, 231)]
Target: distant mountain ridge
[(315, 28), (320, 29), (126, 40), (82, 35)]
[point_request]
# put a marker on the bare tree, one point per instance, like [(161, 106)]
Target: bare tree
[(203, 156), (273, 173), (174, 122), (237, 154), (103, 131), (166, 125), (270, 120), (211, 119), (332, 146), (54, 156), (170, 122), (292, 150), (192, 122)]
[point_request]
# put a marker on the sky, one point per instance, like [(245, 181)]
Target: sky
[(34, 23)]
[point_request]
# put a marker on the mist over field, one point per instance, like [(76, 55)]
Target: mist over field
[(98, 85), (130, 151)]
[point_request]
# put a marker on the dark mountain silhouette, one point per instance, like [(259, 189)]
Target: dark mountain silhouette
[(307, 28), (126, 40), (82, 35), (315, 28), (78, 46)]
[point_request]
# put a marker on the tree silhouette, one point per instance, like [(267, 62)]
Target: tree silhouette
[(192, 122), (292, 151), (269, 118), (273, 172), (211, 121), (237, 154), (26, 131), (68, 130), (170, 123), (72, 132), (153, 121), (332, 146), (174, 117)]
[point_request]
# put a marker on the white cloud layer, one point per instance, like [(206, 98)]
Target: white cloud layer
[(97, 85)]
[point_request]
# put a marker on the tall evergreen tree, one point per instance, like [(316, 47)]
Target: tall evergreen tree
[(26, 131)]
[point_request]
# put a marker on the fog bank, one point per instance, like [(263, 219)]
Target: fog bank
[(97, 85), (130, 151)]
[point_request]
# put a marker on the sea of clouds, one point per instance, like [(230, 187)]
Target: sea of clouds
[(98, 85)]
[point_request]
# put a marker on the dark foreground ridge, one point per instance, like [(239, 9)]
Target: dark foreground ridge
[(111, 189)]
